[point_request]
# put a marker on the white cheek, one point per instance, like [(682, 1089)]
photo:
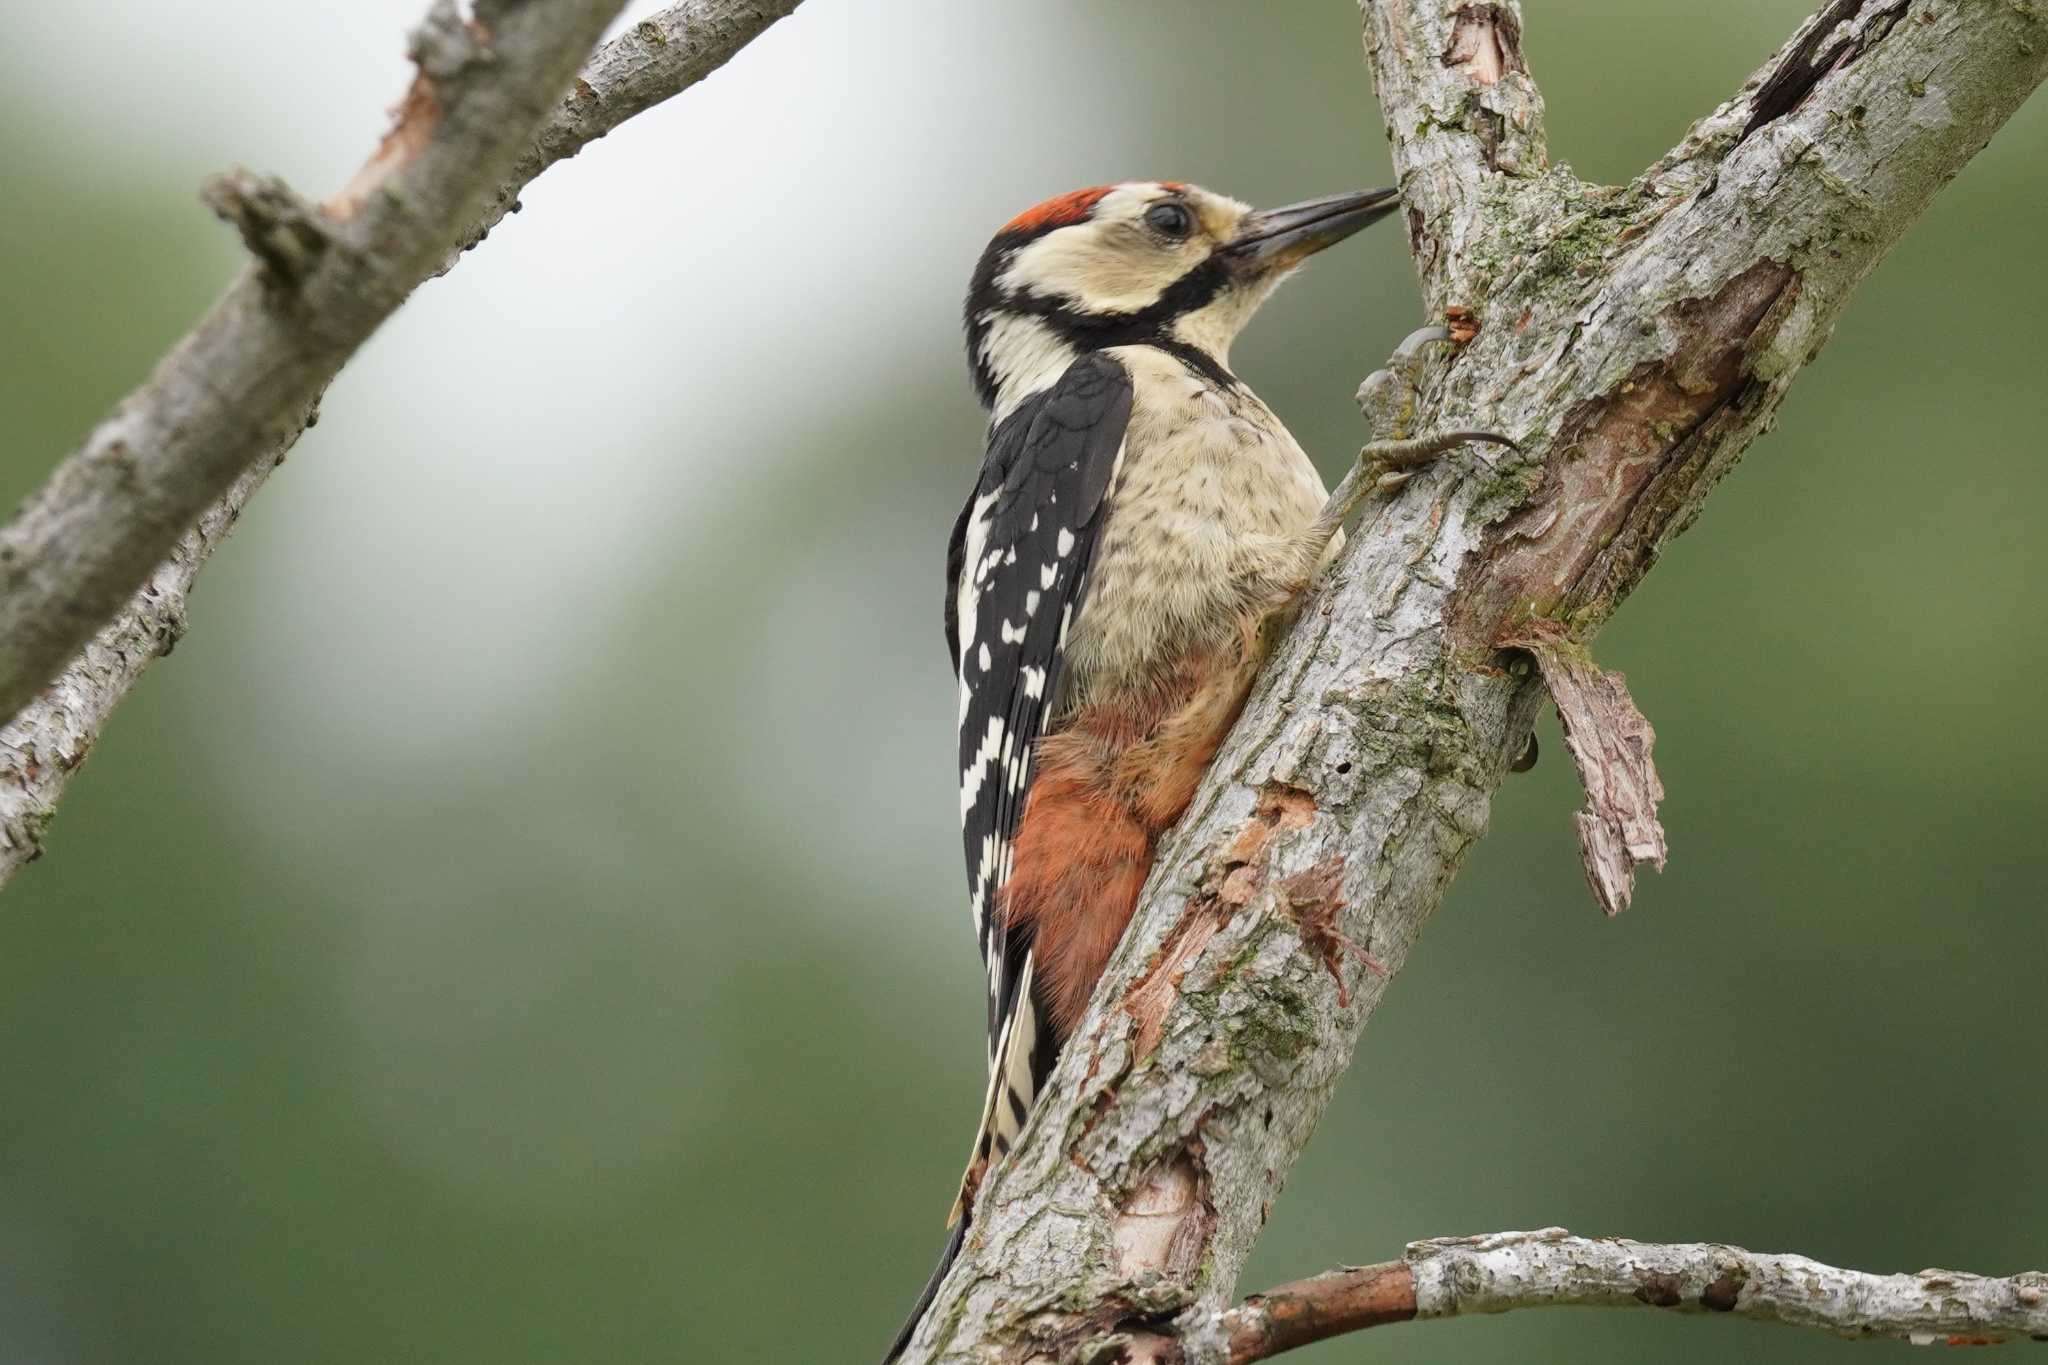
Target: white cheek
[(1101, 267)]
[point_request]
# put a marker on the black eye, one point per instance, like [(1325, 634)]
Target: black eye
[(1170, 219)]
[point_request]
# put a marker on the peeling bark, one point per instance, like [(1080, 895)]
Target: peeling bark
[(1578, 539), (1835, 37), (1610, 744), (1633, 340)]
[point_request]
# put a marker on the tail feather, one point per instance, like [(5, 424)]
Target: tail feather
[(1021, 1061), (1017, 1068), (930, 1291)]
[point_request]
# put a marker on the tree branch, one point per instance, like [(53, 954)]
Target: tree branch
[(1460, 1276), (241, 383), (1633, 340), (246, 382)]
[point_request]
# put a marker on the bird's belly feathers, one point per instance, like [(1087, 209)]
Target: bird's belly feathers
[(1209, 487)]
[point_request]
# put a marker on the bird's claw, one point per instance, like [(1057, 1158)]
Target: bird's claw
[(1387, 397), (1404, 457)]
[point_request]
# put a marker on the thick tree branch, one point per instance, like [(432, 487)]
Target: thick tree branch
[(1460, 1276), (1634, 340), (246, 382)]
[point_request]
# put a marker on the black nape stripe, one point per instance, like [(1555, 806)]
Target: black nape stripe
[(1094, 331), (1150, 326), (1198, 360)]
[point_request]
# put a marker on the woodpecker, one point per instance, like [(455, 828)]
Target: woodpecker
[(1141, 526)]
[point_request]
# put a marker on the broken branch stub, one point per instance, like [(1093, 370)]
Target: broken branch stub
[(1610, 742)]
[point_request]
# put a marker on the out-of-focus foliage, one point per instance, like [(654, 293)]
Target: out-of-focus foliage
[(524, 921)]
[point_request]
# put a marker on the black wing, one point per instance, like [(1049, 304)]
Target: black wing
[(1017, 570)]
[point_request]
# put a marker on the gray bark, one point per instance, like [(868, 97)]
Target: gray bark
[(228, 402), (1494, 1274), (1634, 340), (1460, 1276)]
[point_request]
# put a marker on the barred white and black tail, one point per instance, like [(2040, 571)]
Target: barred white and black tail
[(1023, 1058)]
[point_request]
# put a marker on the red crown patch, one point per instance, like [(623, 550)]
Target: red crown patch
[(1059, 210)]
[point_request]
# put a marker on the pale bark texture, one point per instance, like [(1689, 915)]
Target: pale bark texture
[(1459, 1276), (1634, 340), (230, 400)]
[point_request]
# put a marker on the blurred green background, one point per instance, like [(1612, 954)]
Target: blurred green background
[(524, 921)]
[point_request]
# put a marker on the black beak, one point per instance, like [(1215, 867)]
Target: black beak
[(1279, 238)]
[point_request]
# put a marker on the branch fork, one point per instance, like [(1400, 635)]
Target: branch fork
[(1640, 338)]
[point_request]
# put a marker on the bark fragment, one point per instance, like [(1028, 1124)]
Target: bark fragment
[(1486, 40), (1610, 742)]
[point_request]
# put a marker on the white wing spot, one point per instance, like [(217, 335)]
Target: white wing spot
[(1066, 542), (986, 662)]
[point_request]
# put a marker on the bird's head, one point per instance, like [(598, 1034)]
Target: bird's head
[(1149, 261)]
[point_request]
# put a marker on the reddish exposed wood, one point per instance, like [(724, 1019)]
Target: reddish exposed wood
[(1148, 1001), (412, 128), (1314, 895), (1318, 1308), (1580, 538)]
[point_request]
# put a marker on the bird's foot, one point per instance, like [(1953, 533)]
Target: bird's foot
[(1402, 458), (1388, 398), (1388, 395)]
